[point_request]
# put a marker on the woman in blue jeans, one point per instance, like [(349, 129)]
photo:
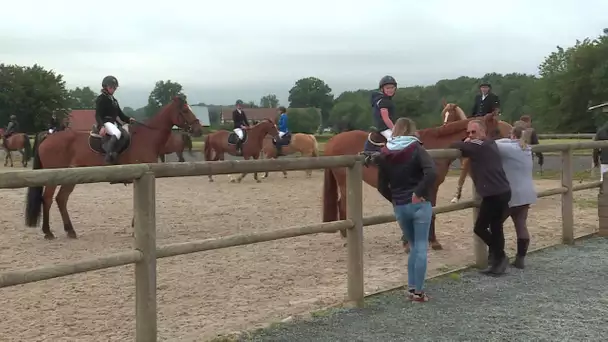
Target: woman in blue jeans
[(405, 178)]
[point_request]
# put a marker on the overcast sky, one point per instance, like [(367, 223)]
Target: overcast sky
[(224, 50)]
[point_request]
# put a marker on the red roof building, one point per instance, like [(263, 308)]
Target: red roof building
[(81, 119)]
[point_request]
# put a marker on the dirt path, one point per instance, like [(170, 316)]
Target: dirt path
[(200, 295)]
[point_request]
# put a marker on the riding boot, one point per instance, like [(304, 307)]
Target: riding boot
[(491, 262), (499, 266), (239, 147), (522, 250), (110, 147)]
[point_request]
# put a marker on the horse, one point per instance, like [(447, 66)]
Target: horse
[(70, 148), (221, 142), (354, 142), (451, 113), (17, 142), (305, 144), (177, 143)]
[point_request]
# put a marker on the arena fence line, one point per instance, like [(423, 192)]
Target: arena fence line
[(146, 252)]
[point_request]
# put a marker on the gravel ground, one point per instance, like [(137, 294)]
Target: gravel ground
[(532, 305), (552, 162)]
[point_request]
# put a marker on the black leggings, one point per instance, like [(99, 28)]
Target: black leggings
[(491, 214)]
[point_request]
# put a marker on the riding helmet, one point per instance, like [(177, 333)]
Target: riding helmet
[(387, 80), (239, 102), (485, 84), (13, 117), (109, 81)]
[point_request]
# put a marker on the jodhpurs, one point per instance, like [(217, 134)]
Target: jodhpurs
[(111, 129)]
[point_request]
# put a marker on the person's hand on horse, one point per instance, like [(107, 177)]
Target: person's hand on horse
[(102, 131), (132, 120)]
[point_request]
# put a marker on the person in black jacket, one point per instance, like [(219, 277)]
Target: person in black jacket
[(406, 175), (240, 123), (493, 187), (11, 128), (600, 155), (53, 123), (486, 102), (107, 110)]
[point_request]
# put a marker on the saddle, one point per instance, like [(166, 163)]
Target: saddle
[(284, 141), (374, 143), (233, 139), (96, 141)]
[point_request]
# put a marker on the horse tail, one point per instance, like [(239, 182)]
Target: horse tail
[(27, 148), (207, 150), (330, 197), (315, 150), (187, 142), (33, 201)]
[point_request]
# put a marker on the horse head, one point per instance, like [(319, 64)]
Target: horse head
[(452, 112), (267, 126), (181, 115)]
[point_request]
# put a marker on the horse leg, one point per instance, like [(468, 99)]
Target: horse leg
[(341, 183), (240, 178), (62, 203), (255, 174), (432, 237), (47, 202), (23, 159), (6, 153), (162, 158), (464, 171), (180, 156)]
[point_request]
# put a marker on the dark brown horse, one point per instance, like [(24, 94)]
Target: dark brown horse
[(221, 142), (71, 148), (17, 142), (353, 142), (177, 143), (452, 113)]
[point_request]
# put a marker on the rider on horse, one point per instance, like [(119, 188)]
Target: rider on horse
[(53, 123), (283, 129), (11, 128), (383, 106), (486, 102), (106, 111), (240, 123)]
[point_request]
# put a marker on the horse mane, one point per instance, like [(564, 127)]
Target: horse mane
[(459, 111), (445, 130)]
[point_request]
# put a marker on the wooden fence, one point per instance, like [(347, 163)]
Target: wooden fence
[(146, 252)]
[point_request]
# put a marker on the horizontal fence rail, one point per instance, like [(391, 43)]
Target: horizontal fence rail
[(146, 252), (567, 136)]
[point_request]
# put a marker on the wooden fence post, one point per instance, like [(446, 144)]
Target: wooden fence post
[(567, 199), (354, 202), (144, 204), (602, 208), (480, 247)]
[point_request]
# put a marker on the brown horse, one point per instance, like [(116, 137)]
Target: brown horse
[(353, 142), (17, 142), (177, 143), (452, 113), (221, 142), (71, 148), (305, 144)]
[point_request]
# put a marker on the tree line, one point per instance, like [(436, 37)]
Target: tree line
[(570, 80)]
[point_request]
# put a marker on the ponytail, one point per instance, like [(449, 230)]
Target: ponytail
[(523, 135)]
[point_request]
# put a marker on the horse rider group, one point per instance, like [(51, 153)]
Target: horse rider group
[(241, 123)]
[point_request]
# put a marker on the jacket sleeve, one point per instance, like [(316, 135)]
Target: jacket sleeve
[(466, 148), (123, 117), (245, 120), (425, 187), (235, 117), (475, 106), (383, 183), (10, 128), (495, 103), (102, 107)]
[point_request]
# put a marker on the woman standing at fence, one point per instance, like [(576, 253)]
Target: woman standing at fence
[(492, 185), (405, 178), (516, 156)]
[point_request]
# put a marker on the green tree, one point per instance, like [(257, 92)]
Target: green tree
[(82, 98), (269, 101), (571, 80), (162, 94), (304, 120), (33, 94), (312, 92)]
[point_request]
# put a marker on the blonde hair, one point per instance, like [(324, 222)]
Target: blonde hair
[(404, 126), (523, 134)]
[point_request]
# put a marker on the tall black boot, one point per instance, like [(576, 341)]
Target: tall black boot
[(239, 147), (110, 147), (522, 250)]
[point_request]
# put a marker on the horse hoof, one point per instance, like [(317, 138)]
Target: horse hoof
[(233, 181), (49, 236), (72, 235), (258, 181), (435, 245), (454, 200)]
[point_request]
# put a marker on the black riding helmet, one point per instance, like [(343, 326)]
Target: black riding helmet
[(239, 102), (387, 80), (109, 81), (485, 84)]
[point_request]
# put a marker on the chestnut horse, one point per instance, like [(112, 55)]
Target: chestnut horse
[(451, 113), (177, 143), (17, 142), (305, 144), (71, 148), (353, 142), (221, 142)]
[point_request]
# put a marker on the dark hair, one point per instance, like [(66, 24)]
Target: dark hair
[(282, 109)]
